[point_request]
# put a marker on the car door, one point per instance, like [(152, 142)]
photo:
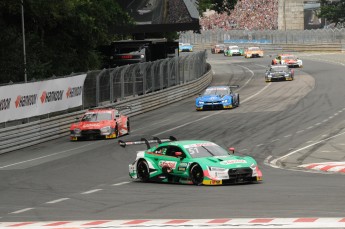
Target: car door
[(169, 162), (121, 122)]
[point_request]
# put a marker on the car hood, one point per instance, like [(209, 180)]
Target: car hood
[(290, 61), (92, 125), (278, 73), (210, 98), (230, 161)]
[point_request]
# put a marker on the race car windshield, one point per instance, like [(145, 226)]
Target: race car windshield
[(279, 69), (232, 48), (207, 151), (288, 57), (95, 117), (217, 91), (253, 48)]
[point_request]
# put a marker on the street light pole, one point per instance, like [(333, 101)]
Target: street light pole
[(24, 50)]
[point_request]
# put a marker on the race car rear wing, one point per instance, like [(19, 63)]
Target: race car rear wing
[(234, 86), (147, 142)]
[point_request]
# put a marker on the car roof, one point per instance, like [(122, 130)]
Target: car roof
[(101, 110), (185, 142)]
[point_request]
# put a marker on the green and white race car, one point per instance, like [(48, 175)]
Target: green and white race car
[(233, 50), (191, 162)]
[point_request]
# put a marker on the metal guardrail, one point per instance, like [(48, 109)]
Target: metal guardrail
[(21, 136)]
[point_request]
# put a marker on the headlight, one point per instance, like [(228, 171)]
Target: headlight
[(286, 74), (142, 56), (217, 169), (201, 102), (105, 130), (225, 101), (77, 131)]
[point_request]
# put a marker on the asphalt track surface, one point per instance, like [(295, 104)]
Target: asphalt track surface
[(88, 180)]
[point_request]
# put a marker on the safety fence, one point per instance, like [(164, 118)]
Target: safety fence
[(107, 86), (111, 85), (316, 36)]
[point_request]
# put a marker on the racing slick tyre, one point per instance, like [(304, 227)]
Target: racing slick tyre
[(143, 171), (196, 174), (128, 127), (238, 101), (116, 131)]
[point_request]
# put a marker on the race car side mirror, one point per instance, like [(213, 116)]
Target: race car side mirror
[(76, 119), (232, 150), (178, 154)]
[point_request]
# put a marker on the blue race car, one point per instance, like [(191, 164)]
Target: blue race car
[(185, 47), (218, 97)]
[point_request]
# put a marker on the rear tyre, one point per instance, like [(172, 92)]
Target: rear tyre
[(143, 171), (116, 131), (196, 174), (128, 127), (238, 101)]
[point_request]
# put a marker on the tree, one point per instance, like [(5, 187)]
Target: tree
[(333, 11), (62, 36), (219, 6)]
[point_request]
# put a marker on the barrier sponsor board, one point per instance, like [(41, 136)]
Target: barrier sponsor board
[(32, 99)]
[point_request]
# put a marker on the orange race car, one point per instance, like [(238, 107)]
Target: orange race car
[(219, 48), (251, 52), (100, 123), (288, 59)]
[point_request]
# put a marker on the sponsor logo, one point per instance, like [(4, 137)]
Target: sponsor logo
[(91, 125), (169, 164), (74, 91), (26, 100), (5, 104), (233, 162), (51, 96)]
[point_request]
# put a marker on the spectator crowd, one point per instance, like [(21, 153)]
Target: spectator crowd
[(247, 14)]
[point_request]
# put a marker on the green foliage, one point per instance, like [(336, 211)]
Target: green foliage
[(219, 6), (62, 36), (204, 5), (333, 12)]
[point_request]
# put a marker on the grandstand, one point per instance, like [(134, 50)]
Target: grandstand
[(247, 15)]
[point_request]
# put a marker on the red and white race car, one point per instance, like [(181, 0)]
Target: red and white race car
[(288, 59), (100, 123)]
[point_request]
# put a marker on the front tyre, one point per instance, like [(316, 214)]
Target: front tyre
[(196, 174), (143, 171)]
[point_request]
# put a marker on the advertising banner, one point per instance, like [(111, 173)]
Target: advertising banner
[(20, 101)]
